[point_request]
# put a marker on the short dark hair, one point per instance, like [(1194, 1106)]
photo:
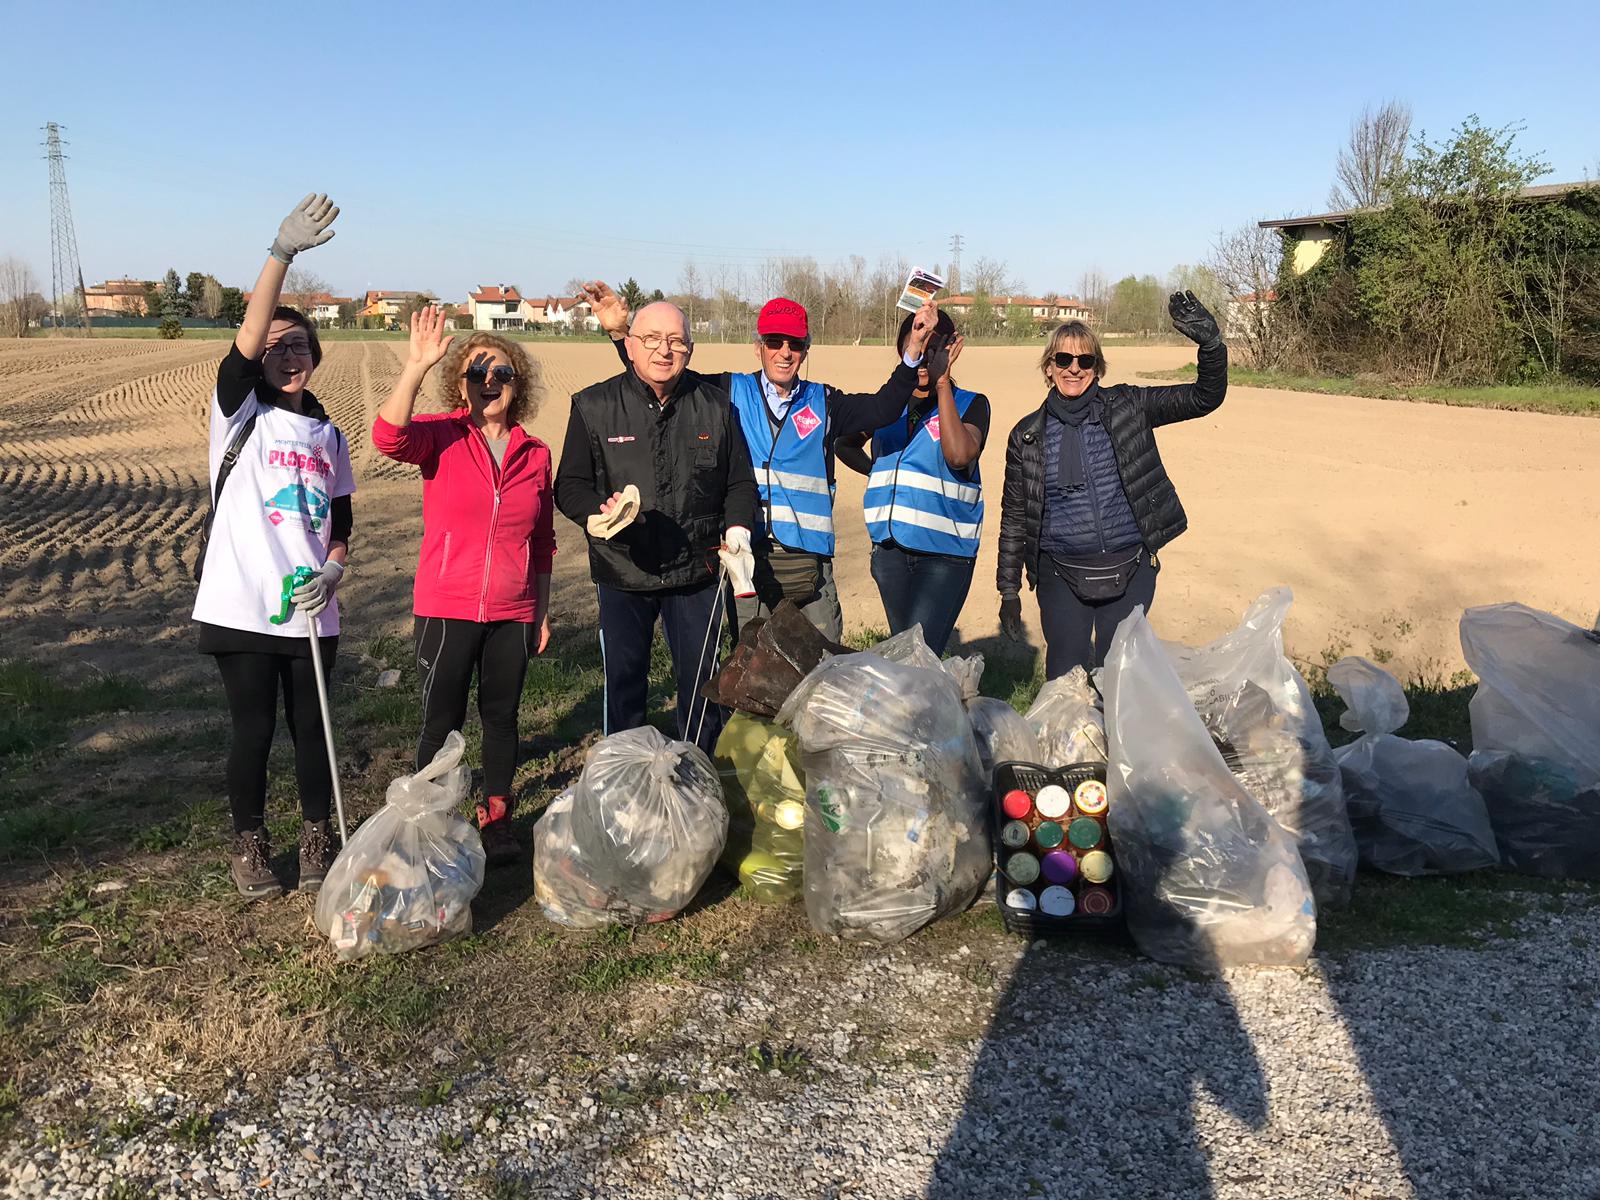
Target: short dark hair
[(293, 315), (944, 325)]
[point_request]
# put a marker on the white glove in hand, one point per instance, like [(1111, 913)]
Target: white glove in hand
[(305, 227), (312, 596), (740, 560)]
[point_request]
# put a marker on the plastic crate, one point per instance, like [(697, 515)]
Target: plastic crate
[(1030, 777)]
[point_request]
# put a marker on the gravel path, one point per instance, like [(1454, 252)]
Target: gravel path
[(1405, 1072)]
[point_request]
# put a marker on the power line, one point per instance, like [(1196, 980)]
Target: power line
[(66, 276)]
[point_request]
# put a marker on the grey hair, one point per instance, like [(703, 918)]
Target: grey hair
[(688, 334)]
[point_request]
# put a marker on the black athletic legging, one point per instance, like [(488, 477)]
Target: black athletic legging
[(448, 652), (252, 683)]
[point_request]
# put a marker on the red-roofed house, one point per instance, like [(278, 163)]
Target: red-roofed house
[(497, 307), (1041, 308)]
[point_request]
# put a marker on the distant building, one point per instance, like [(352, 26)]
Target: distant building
[(1043, 309), (116, 298), (387, 306), (498, 308), (1242, 310), (319, 306)]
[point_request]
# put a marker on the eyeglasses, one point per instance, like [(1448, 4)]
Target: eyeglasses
[(777, 341), (1064, 360), (655, 341), (479, 374), (301, 349)]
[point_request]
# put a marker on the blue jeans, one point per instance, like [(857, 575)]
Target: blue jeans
[(921, 589)]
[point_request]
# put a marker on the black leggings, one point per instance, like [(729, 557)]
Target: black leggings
[(448, 651), (1079, 634), (252, 682)]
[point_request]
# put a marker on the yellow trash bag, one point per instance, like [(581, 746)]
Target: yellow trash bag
[(759, 763)]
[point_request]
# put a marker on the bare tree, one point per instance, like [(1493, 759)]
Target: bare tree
[(689, 290), (1245, 264), (301, 289), (211, 299), (1095, 291), (17, 286), (1365, 170), (988, 277)]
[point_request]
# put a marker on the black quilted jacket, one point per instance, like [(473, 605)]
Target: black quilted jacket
[(1131, 417)]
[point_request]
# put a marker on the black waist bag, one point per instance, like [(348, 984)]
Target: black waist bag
[(229, 457), (1096, 585)]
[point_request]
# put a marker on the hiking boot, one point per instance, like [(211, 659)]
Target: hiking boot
[(251, 865), (316, 854), (500, 845)]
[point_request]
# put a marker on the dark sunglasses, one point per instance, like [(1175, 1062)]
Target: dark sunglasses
[(775, 341), (1064, 360), (478, 373)]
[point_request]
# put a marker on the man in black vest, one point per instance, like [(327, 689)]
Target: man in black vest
[(672, 433)]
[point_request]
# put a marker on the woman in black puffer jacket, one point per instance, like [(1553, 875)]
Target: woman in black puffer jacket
[(1087, 504)]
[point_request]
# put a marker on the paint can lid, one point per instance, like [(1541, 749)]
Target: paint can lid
[(1054, 801), (1016, 804), (1056, 901), (1021, 898), (1090, 796)]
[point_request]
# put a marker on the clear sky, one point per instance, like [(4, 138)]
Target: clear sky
[(530, 143)]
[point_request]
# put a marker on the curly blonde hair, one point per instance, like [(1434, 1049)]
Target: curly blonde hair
[(528, 385)]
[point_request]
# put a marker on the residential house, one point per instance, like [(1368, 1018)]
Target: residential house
[(387, 306), (321, 307), (1243, 310), (1043, 309), (1308, 238), (115, 298), (569, 312), (497, 308)]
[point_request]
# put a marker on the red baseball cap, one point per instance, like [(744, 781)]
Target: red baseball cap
[(783, 316)]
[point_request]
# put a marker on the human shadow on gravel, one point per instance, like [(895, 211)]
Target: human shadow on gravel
[(1087, 1081)]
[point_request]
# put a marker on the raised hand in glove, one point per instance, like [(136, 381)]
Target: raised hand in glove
[(305, 227), (312, 596), (1193, 320), (1011, 618)]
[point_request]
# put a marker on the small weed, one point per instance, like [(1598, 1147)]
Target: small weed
[(1149, 979), (451, 1144), (194, 1130), (168, 835), (1579, 941), (654, 1087), (130, 1124), (505, 1184), (982, 975), (128, 1189), (492, 1111), (805, 945), (790, 1060), (10, 1102), (1381, 654), (922, 1060), (431, 1095), (706, 1103)]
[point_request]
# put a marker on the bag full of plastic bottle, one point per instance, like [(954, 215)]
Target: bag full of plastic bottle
[(896, 828), (1536, 737), (1260, 714), (642, 830), (1411, 807), (764, 788), (1209, 879), (1003, 734), (408, 876), (1067, 720)]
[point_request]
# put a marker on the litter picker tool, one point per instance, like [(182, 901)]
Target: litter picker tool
[(292, 581), (712, 629)]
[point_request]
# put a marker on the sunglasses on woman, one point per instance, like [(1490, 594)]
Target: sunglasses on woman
[(479, 374), (1064, 360)]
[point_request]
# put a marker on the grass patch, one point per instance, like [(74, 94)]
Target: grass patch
[(36, 708), (396, 995), (1568, 399), (1466, 912)]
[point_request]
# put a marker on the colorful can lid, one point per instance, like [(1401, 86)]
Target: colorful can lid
[(1085, 833), (1048, 835), (1059, 867), (1090, 796), (1054, 801), (1056, 901), (1022, 898), (1022, 868), (1016, 804), (1096, 866), (1096, 901), (1014, 834)]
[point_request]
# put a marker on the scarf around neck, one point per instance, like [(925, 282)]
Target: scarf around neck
[(1072, 412)]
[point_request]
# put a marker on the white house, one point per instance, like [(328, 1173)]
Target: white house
[(497, 308)]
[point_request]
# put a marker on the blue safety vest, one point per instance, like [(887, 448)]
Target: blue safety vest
[(791, 467), (914, 498)]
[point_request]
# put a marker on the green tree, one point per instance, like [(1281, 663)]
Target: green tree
[(172, 301), (1137, 305), (152, 299), (232, 310), (632, 294), (194, 290), (983, 319), (1019, 324)]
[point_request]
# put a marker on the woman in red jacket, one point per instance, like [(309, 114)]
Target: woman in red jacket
[(482, 598)]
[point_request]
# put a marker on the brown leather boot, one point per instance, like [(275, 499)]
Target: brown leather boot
[(500, 845), (316, 854), (251, 865)]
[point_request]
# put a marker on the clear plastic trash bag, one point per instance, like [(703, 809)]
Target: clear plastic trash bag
[(1003, 735), (644, 826), (1411, 807), (1259, 712), (1209, 879), (896, 827), (1067, 719), (764, 788), (1536, 737), (408, 877)]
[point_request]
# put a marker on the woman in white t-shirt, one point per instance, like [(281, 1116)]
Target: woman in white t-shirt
[(284, 504)]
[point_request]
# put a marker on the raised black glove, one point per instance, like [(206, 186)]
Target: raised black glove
[(1011, 618), (1191, 318), (936, 358)]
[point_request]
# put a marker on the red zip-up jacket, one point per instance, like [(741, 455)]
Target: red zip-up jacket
[(487, 530)]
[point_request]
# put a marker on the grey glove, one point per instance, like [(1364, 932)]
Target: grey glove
[(305, 227), (1191, 318), (312, 596)]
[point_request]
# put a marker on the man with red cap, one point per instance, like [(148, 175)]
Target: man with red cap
[(791, 425)]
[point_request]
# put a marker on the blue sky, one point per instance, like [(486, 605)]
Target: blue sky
[(533, 143)]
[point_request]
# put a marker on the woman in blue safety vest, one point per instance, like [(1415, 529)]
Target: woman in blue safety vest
[(924, 499)]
